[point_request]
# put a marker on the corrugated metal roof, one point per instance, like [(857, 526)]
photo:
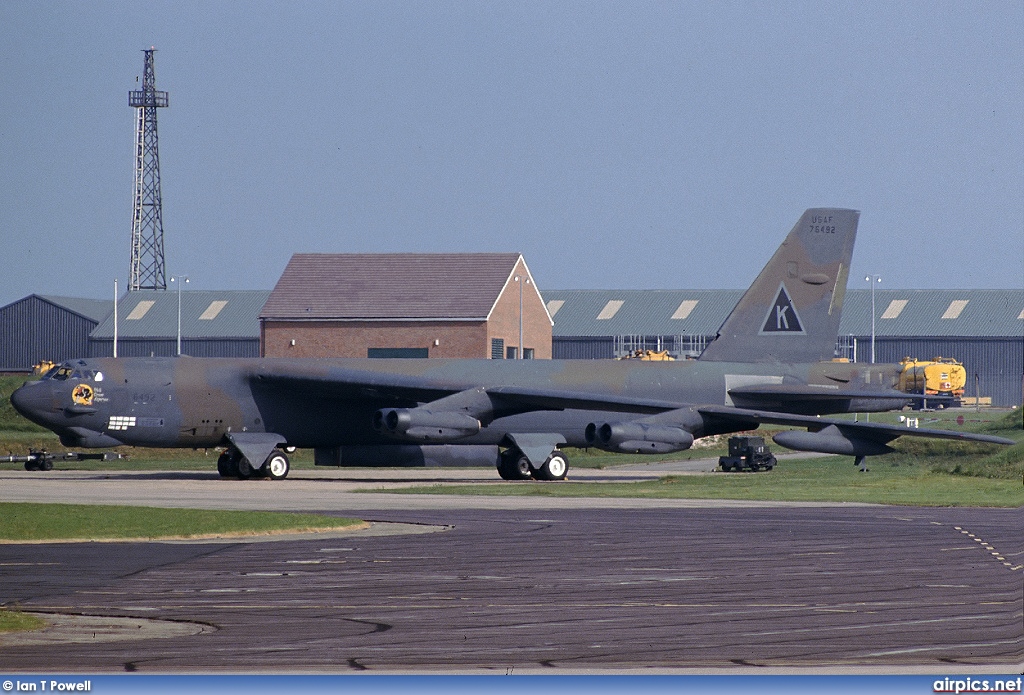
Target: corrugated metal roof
[(961, 313), (94, 309), (237, 316), (390, 286), (969, 313), (642, 312)]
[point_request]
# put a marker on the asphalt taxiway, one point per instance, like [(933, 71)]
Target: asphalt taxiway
[(518, 584)]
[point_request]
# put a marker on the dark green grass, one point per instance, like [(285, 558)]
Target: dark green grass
[(10, 420), (826, 479), (28, 522)]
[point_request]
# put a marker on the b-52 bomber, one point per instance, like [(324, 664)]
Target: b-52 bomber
[(771, 362)]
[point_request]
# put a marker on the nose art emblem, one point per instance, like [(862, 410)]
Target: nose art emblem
[(82, 395)]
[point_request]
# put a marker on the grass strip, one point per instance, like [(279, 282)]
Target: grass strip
[(15, 621), (828, 479), (31, 522)]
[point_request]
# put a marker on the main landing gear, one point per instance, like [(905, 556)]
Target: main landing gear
[(232, 464), (513, 464)]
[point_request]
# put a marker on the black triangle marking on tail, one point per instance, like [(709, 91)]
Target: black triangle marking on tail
[(782, 318)]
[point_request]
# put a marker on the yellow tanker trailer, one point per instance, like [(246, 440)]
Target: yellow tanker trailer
[(942, 376)]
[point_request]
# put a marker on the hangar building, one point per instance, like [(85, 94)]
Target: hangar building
[(213, 324), (406, 305), (41, 327), (983, 329)]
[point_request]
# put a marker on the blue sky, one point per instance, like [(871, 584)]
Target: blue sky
[(615, 144)]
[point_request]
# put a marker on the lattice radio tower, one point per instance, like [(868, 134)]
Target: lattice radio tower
[(147, 272)]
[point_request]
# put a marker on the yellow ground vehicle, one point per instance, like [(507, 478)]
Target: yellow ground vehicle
[(649, 355), (942, 376)]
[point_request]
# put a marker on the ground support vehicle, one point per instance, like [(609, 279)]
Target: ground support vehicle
[(43, 460), (747, 454)]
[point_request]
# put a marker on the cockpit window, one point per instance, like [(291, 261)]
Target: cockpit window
[(65, 372), (61, 373)]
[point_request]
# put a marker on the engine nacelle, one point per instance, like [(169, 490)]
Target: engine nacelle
[(638, 437), (830, 440), (425, 425)]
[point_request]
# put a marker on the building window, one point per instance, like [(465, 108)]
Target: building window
[(497, 348), (407, 353), (527, 353), (511, 353)]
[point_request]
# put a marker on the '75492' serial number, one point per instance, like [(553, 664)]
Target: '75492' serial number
[(822, 224)]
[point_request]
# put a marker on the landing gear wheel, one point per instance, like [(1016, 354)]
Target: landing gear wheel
[(227, 464), (505, 471), (523, 469), (245, 469), (277, 466), (555, 468), (514, 465)]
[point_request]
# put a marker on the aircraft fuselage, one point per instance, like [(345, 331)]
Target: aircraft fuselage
[(196, 402)]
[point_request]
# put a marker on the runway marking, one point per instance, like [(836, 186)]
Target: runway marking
[(957, 647), (989, 547), (868, 626), (28, 564)]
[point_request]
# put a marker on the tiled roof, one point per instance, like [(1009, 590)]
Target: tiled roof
[(390, 286)]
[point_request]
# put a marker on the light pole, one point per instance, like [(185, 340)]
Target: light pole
[(522, 281), (181, 280), (872, 280), (115, 317)]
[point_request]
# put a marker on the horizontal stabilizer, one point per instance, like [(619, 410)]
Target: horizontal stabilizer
[(831, 436), (785, 392)]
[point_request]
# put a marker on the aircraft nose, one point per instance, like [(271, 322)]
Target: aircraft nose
[(32, 399)]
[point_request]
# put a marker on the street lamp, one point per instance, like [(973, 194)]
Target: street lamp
[(872, 280), (180, 279), (522, 281)]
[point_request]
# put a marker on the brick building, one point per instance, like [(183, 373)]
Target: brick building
[(405, 305)]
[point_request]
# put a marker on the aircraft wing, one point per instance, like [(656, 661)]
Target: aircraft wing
[(812, 398), (317, 381), (828, 435), (421, 408), (786, 392), (415, 407), (540, 399), (357, 384)]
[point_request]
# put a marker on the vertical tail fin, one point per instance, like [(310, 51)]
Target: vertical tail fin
[(791, 312)]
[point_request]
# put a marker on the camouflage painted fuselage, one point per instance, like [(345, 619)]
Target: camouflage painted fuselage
[(195, 402)]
